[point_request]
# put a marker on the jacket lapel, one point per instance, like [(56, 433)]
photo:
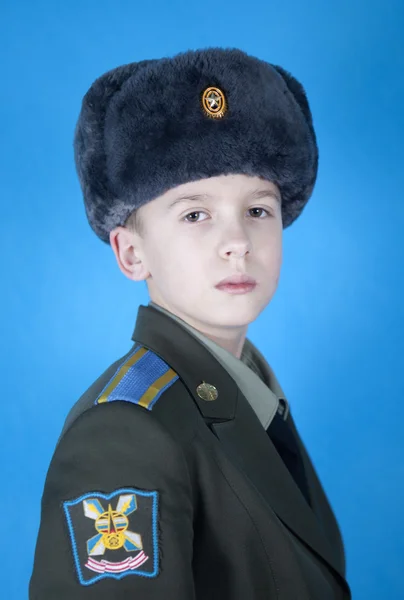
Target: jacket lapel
[(235, 424), (249, 445)]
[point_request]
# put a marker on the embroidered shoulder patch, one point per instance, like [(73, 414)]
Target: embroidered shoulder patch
[(113, 535), (141, 379)]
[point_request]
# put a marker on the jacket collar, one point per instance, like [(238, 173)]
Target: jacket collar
[(193, 362), (251, 372)]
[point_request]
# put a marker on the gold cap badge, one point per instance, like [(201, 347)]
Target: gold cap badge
[(214, 103), (207, 392)]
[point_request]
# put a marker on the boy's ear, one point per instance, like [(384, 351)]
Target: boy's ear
[(128, 253)]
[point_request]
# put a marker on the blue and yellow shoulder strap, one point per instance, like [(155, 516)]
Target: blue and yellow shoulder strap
[(140, 379)]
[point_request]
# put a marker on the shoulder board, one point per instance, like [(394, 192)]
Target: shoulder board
[(141, 379)]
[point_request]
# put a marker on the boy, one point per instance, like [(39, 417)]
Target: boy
[(180, 474)]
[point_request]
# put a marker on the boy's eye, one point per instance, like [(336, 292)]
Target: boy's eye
[(198, 212), (195, 212)]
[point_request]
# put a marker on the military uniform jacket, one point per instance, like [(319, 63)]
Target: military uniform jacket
[(168, 483)]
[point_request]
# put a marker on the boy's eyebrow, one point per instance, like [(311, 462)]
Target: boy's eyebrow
[(256, 195), (185, 198)]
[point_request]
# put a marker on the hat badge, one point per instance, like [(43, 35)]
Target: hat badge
[(207, 392), (214, 102)]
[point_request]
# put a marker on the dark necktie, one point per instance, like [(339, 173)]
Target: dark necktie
[(286, 446)]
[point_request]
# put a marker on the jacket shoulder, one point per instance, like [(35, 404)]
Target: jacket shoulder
[(139, 377)]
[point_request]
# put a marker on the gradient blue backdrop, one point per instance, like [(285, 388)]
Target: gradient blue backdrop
[(333, 332)]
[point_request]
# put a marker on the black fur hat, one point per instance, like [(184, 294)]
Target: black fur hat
[(149, 126)]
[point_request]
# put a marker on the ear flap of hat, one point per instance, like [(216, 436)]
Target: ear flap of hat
[(299, 94), (296, 89), (89, 142)]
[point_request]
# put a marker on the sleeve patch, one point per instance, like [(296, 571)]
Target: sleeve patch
[(113, 535)]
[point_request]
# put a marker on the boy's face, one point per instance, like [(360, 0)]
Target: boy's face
[(219, 228)]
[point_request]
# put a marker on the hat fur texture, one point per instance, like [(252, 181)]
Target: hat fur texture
[(142, 131)]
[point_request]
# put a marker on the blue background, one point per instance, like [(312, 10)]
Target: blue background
[(333, 332)]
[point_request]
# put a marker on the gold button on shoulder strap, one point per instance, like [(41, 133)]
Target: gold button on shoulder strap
[(207, 392)]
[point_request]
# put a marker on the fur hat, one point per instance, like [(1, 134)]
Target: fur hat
[(149, 126)]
